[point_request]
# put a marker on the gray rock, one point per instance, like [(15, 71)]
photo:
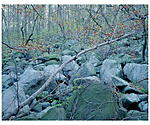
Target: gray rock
[(72, 45), (86, 81), (143, 97), (129, 90), (136, 115), (39, 67), (10, 100), (33, 63), (22, 64), (45, 105), (93, 101), (109, 68), (86, 69), (122, 113), (118, 82), (68, 52), (33, 103), (130, 101), (50, 69), (93, 59), (70, 68), (7, 81), (63, 89), (122, 58), (9, 69), (71, 42), (143, 106), (137, 73), (38, 107), (102, 52), (80, 60), (30, 78)]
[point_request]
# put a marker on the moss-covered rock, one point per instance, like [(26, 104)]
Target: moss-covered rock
[(48, 57), (136, 115), (55, 113), (93, 101), (68, 52)]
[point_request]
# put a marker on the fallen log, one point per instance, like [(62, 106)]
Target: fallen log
[(33, 96)]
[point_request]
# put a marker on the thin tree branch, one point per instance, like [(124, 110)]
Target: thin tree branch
[(29, 38), (94, 20), (14, 48), (36, 11)]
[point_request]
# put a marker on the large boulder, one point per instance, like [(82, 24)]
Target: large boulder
[(50, 69), (39, 67), (59, 78), (93, 59), (137, 73), (30, 78), (109, 68), (86, 69), (92, 100), (8, 80), (10, 99)]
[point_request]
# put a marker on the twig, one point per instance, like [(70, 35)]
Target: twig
[(14, 48), (36, 11)]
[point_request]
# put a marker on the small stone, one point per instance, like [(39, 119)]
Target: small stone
[(130, 101), (45, 105), (143, 106), (143, 97)]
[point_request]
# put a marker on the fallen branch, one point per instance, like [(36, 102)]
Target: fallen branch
[(15, 48), (46, 84)]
